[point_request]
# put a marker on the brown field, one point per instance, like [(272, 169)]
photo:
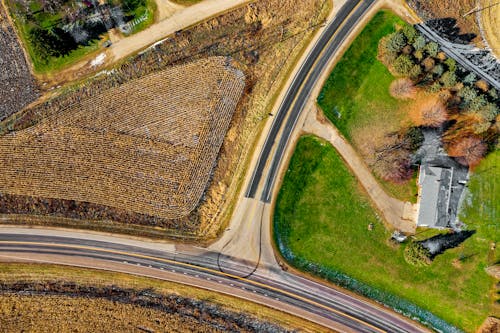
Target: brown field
[(264, 39), (430, 9), (147, 146), (490, 20), (17, 86), (51, 298)]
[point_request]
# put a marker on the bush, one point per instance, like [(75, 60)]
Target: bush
[(470, 78), (415, 72), (417, 255), (448, 79), (451, 64), (467, 94), (396, 41), (403, 65), (432, 48), (419, 43), (410, 33)]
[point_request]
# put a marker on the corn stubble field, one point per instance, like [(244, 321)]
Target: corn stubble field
[(147, 146), (262, 39), (62, 306)]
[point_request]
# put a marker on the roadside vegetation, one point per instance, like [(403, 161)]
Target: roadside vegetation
[(50, 297), (365, 112), (58, 33), (263, 40), (321, 226)]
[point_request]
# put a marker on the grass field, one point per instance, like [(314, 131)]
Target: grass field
[(482, 208), (320, 225), (58, 311), (147, 146), (356, 96)]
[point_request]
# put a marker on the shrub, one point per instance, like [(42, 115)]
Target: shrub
[(468, 150), (477, 103), (493, 93), (417, 255), (428, 64), (451, 64), (403, 88), (396, 41), (438, 70), (482, 85), (384, 55), (415, 72), (448, 79), (432, 48), (467, 94), (410, 33), (402, 65), (419, 43), (470, 78)]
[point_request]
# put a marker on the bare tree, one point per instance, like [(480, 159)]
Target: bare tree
[(429, 111), (468, 150), (403, 88)]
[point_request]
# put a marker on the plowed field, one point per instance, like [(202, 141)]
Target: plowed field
[(146, 146)]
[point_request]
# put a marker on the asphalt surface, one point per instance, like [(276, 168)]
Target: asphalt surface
[(287, 290), (332, 305), (298, 93)]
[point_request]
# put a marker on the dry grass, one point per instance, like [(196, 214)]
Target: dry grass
[(52, 313), (264, 38), (490, 21), (429, 9), (147, 146)]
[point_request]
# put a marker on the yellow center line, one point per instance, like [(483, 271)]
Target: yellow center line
[(213, 271)]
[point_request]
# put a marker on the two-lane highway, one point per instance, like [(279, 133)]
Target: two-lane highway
[(296, 295), (298, 93)]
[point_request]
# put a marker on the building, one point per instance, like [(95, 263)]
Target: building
[(441, 184)]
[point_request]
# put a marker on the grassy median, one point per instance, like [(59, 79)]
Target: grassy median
[(321, 226)]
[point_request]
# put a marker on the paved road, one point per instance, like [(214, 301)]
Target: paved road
[(327, 306), (281, 289), (298, 94)]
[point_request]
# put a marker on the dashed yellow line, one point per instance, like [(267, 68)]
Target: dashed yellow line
[(213, 271)]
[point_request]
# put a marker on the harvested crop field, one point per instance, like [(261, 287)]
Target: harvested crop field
[(147, 146), (57, 306), (264, 38), (490, 23), (17, 86)]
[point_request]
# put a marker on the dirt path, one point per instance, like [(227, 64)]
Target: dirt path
[(166, 9), (181, 19), (398, 214)]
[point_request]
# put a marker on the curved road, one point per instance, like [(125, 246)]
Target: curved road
[(327, 306), (267, 283)]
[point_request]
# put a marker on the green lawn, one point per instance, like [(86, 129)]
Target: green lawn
[(482, 209), (356, 95), (320, 225)]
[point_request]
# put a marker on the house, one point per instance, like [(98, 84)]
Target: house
[(441, 184)]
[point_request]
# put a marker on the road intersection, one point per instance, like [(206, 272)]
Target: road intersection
[(242, 262)]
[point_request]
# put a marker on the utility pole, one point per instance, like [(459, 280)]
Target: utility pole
[(478, 9)]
